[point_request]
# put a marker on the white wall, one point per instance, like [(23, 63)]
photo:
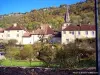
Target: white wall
[(35, 38), (68, 37), (27, 40), (2, 36), (12, 34)]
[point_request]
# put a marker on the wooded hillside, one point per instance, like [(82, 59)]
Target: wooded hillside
[(81, 12)]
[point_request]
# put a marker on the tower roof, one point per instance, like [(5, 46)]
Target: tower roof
[(67, 18)]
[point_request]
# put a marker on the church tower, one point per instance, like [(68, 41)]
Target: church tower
[(66, 19)]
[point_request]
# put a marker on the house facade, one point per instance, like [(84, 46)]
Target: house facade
[(14, 32), (19, 33), (71, 32), (1, 33), (23, 36)]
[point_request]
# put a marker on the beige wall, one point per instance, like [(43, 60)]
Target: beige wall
[(2, 36), (14, 34), (27, 40), (68, 37), (18, 35), (31, 40)]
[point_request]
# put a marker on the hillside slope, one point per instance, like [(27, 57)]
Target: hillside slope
[(81, 12)]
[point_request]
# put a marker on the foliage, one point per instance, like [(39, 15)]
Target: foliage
[(66, 56), (12, 42), (73, 53), (46, 54), (26, 52), (12, 53), (81, 12)]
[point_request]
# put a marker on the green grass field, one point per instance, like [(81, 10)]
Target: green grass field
[(24, 63), (21, 63)]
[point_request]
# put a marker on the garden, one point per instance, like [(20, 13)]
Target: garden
[(78, 54)]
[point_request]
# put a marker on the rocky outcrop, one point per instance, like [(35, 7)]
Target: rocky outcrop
[(44, 71)]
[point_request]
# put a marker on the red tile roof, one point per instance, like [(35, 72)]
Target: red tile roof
[(17, 27), (1, 30), (44, 30), (47, 30), (39, 31), (27, 34), (81, 28)]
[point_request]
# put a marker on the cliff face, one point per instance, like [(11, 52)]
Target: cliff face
[(43, 71)]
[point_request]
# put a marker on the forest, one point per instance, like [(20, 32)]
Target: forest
[(82, 12)]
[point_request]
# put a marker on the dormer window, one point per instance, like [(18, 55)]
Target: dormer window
[(17, 30)]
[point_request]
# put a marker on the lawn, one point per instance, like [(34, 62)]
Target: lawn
[(24, 63), (21, 63)]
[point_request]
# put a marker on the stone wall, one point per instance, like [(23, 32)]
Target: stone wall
[(44, 71)]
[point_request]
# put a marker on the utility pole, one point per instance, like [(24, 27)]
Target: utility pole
[(97, 28)]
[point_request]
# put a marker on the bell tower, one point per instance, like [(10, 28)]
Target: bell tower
[(66, 19)]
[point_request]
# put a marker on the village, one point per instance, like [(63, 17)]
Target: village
[(67, 33), (46, 47), (49, 37)]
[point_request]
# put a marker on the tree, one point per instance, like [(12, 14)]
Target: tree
[(73, 53), (12, 53), (46, 54), (66, 56), (12, 42), (27, 53)]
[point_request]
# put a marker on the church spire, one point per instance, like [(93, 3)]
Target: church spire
[(67, 17)]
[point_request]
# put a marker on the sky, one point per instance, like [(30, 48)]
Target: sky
[(14, 6)]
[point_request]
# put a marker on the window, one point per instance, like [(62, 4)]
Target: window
[(17, 30), (78, 32), (64, 32), (92, 32), (67, 40), (70, 32), (86, 32), (73, 32), (2, 35), (17, 35), (8, 35)]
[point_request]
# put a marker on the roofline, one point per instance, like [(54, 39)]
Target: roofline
[(78, 30)]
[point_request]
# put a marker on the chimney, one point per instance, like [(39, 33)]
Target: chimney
[(50, 26), (15, 24), (65, 25), (89, 23)]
